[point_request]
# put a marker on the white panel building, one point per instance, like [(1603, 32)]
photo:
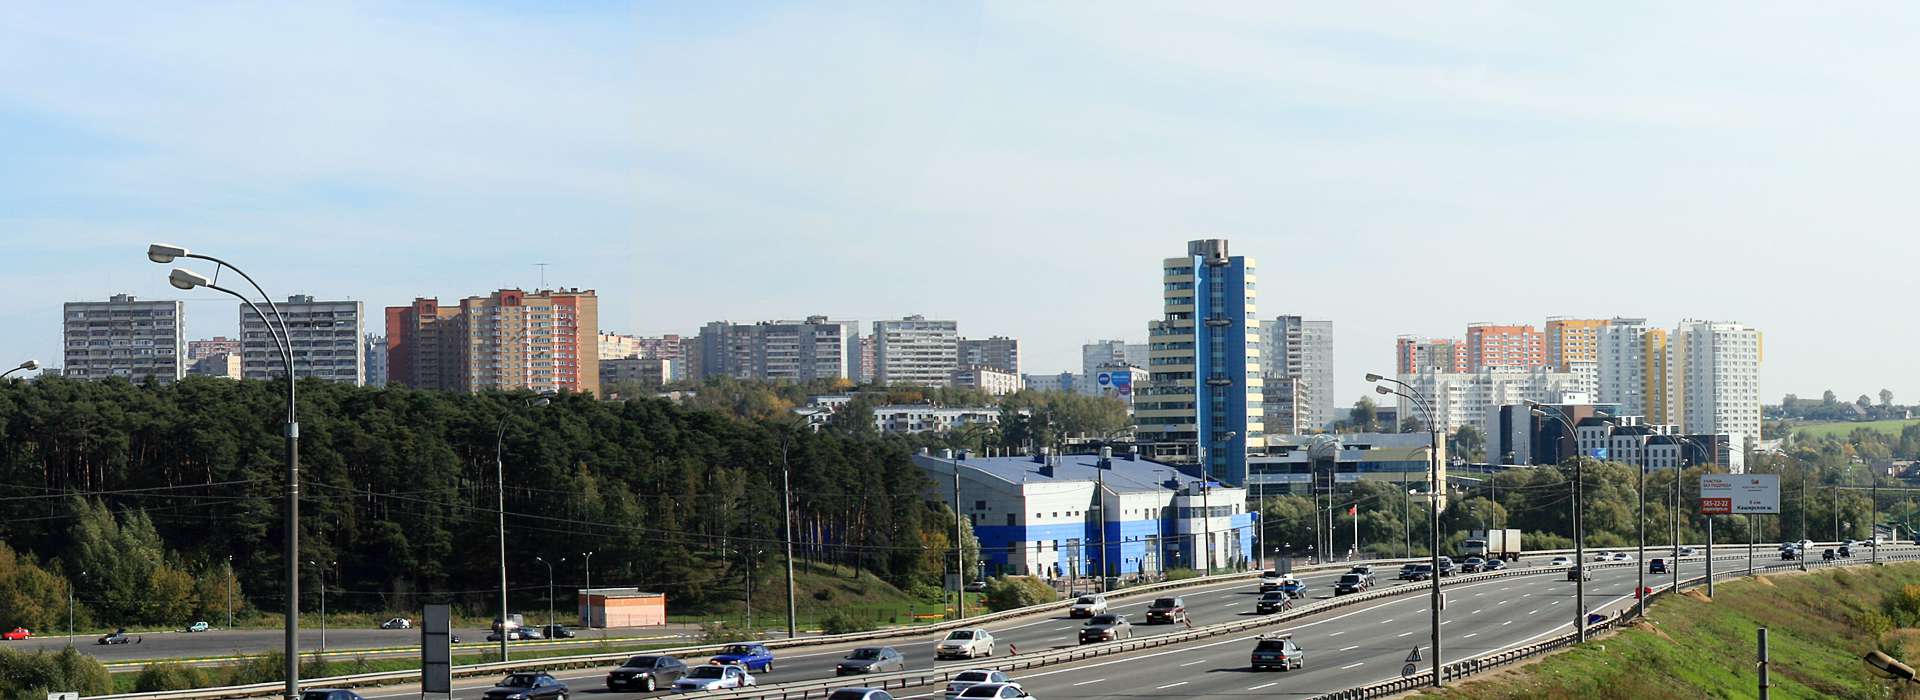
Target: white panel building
[(1715, 384), (324, 335), (125, 337), (914, 350), (1469, 398)]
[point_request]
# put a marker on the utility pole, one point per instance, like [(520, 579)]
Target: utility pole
[(229, 591), (959, 554), (1765, 683), (786, 507), (1099, 506), (589, 606)]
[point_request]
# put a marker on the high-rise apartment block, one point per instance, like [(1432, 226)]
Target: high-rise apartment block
[(1573, 340), (1414, 355), (224, 365), (125, 337), (324, 337), (1300, 351), (218, 344), (1467, 398), (1715, 383), (376, 362), (546, 340), (1203, 403), (1632, 369), (999, 352), (614, 346), (795, 351), (914, 350), (645, 371), (1493, 345), (866, 369)]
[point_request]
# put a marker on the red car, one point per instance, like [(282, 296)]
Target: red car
[(16, 634)]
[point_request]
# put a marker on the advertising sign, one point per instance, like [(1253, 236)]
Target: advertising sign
[(1733, 494), (1123, 383), (436, 651)]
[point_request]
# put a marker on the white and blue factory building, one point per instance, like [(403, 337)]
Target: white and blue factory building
[(1043, 515)]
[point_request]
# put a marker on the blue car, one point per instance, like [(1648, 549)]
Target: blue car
[(1293, 587), (756, 657)]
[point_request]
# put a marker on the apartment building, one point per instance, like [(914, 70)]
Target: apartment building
[(1468, 398), (218, 344), (1203, 402), (125, 337), (1573, 340), (324, 337), (1632, 369), (999, 352), (914, 350), (1714, 383), (376, 360), (797, 351), (1300, 351), (1491, 345), (223, 365), (546, 340), (1415, 355), (992, 380)]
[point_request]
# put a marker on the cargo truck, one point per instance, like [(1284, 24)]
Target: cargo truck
[(1493, 544)]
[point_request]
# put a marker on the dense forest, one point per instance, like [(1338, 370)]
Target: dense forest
[(151, 490)]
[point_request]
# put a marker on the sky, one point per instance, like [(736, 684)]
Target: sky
[(1397, 168)]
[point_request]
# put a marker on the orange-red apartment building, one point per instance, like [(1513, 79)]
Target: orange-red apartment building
[(545, 340)]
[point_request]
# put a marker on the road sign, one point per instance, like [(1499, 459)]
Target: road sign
[(1415, 656), (436, 652), (1727, 494)]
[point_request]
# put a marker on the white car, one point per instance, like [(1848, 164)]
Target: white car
[(1622, 556), (965, 644), (713, 677), (1088, 606), (1561, 561), (397, 623), (993, 690), (970, 678), (1603, 556)]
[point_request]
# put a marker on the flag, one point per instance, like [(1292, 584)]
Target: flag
[(1353, 509)]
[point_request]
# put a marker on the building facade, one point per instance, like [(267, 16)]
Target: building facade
[(545, 340), (614, 346), (324, 337), (1632, 369), (991, 380), (794, 351), (1417, 355), (646, 371), (1573, 340), (999, 352), (1300, 351), (223, 365), (1491, 345), (914, 350), (1714, 384), (1469, 398), (218, 344), (376, 360), (925, 418), (125, 337), (1204, 399)]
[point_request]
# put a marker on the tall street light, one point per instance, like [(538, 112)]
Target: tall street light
[(500, 491), (588, 556), (1433, 493), (549, 564), (185, 279), (28, 366), (786, 514), (323, 599), (1579, 537)]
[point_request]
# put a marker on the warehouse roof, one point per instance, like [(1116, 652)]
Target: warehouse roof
[(1121, 474)]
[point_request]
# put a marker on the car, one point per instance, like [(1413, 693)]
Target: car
[(870, 660), (199, 626), (714, 677), (1279, 652), (755, 657), (512, 635), (1447, 567), (530, 633), (1292, 587), (965, 644), (527, 685), (1169, 610), (1106, 628), (1087, 606), (1603, 556), (860, 694), (1622, 556), (975, 587), (1350, 583), (16, 634), (646, 673), (1494, 565), (1473, 565), (1845, 551), (1560, 561), (556, 631), (329, 694), (1793, 553), (1406, 571), (1827, 554), (118, 636), (1579, 573), (1687, 552), (1365, 570), (1272, 602), (1270, 579), (1656, 565), (1419, 572), (972, 677), (397, 623), (993, 690)]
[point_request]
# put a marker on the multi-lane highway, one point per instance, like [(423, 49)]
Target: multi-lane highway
[(226, 643)]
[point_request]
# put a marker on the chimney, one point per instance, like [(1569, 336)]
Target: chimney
[(1106, 458), (946, 455), (1133, 453), (964, 455), (924, 451)]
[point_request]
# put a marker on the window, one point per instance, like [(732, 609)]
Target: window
[(979, 505)]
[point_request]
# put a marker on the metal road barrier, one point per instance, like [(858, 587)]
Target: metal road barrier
[(1468, 667)]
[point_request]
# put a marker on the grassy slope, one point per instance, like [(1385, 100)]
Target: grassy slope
[(866, 596), (1700, 649), (1890, 427)]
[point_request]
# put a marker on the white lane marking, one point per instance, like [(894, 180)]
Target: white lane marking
[(1190, 663), (1096, 680), (1386, 621), (1336, 634), (1348, 666), (1403, 634), (1171, 685), (1264, 685), (1509, 622), (1470, 635), (1533, 611), (1351, 648), (1068, 627), (1445, 622)]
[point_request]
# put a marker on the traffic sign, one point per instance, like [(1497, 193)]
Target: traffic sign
[(1726, 494)]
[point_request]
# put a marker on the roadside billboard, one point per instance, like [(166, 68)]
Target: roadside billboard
[(1736, 494)]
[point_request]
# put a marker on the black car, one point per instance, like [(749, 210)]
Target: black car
[(1789, 554), (557, 631), (871, 660), (528, 685), (1350, 583), (1845, 551), (1827, 554), (1169, 610), (646, 673), (1416, 572), (1473, 565), (1447, 567), (1271, 602), (118, 636), (329, 694), (1493, 565)]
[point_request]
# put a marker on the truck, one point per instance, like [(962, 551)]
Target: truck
[(1493, 544)]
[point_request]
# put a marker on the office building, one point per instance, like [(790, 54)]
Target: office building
[(1068, 516), (1714, 387), (1632, 369), (218, 344), (1492, 345), (1204, 399), (998, 352), (1468, 398), (1301, 352), (1326, 463), (1573, 340), (125, 337), (794, 351), (991, 380), (224, 365), (545, 340), (914, 350), (323, 335), (376, 360), (1515, 436), (1416, 355)]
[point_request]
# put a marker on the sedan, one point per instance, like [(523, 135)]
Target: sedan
[(964, 644), (860, 694), (1350, 583), (1473, 565), (329, 694), (646, 673), (1106, 628), (1493, 565), (397, 623), (967, 679), (528, 685), (871, 660), (1603, 556), (118, 636), (713, 678), (1560, 561), (994, 690), (1622, 556), (16, 634)]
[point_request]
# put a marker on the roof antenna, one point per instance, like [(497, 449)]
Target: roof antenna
[(543, 274)]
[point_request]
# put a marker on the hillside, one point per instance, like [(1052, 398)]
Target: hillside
[(1843, 428), (1819, 624)]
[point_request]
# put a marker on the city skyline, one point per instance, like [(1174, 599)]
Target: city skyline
[(1383, 160)]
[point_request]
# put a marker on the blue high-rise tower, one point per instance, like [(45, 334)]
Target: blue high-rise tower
[(1203, 400)]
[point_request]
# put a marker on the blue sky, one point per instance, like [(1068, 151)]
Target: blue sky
[(1020, 167)]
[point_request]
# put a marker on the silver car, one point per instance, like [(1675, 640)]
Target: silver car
[(994, 690), (1088, 606), (713, 678), (965, 644), (969, 678)]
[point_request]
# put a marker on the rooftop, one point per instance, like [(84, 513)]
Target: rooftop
[(1122, 476)]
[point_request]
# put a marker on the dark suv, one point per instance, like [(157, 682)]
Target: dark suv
[(1169, 610), (1350, 583), (646, 673)]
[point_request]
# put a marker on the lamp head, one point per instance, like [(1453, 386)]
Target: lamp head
[(1382, 390), (1537, 413), (186, 279), (30, 365), (1371, 377), (1888, 665), (163, 253)]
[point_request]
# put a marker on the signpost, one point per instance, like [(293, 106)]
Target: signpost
[(436, 652), (1737, 494)]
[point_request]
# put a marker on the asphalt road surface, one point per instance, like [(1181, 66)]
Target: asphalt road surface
[(218, 643)]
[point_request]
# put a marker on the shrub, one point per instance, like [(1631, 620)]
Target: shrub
[(1876, 625), (718, 633), (844, 622), (269, 667), (823, 595), (1009, 592), (168, 675), (32, 676), (1904, 606), (1180, 574)]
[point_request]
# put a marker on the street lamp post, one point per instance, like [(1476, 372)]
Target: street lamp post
[(1579, 539), (1433, 493), (29, 366), (549, 564), (70, 585), (500, 494), (588, 608), (184, 279), (323, 600), (786, 511)]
